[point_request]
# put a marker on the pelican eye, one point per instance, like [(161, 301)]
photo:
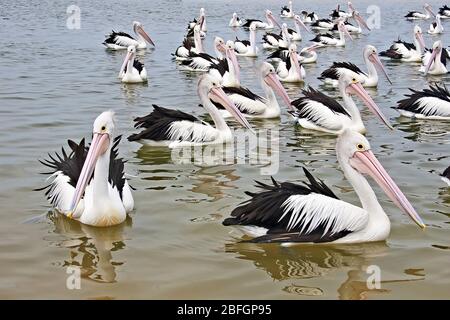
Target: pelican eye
[(103, 128), (360, 147), (354, 80)]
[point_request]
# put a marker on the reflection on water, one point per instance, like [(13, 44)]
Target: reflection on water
[(91, 248), (424, 130)]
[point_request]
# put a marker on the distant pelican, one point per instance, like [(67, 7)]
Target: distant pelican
[(444, 11), (287, 11), (235, 21), (290, 70), (132, 70), (270, 24), (89, 183), (309, 17), (329, 40), (436, 27), (435, 64), (445, 176), (122, 40), (188, 46), (415, 15), (306, 55), (405, 51), (295, 35), (247, 48), (273, 40)]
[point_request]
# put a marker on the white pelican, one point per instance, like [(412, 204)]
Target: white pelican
[(329, 40), (331, 75), (174, 128), (444, 11), (295, 35), (270, 24), (228, 68), (247, 48), (436, 27), (201, 62), (338, 13), (273, 41), (445, 176), (435, 63), (322, 24), (122, 40), (311, 212), (189, 45), (317, 111), (405, 51), (351, 28), (432, 103), (95, 171), (253, 105), (132, 70), (235, 21), (290, 70), (415, 15), (306, 55), (309, 17), (287, 11), (201, 21)]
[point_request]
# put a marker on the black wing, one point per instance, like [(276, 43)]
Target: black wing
[(410, 14), (244, 42), (315, 95), (446, 173), (156, 125), (412, 104), (333, 74), (280, 53), (111, 38), (137, 65), (221, 66), (443, 9), (248, 22)]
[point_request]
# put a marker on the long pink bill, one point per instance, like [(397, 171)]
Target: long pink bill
[(272, 80), (376, 60), (100, 144), (145, 36), (357, 89), (232, 56), (366, 163), (431, 61), (124, 64), (297, 64), (218, 95), (361, 21), (274, 21), (419, 37), (300, 22)]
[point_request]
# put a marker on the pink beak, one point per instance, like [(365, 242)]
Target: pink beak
[(431, 61), (271, 18), (232, 56), (300, 22), (366, 163), (297, 64), (145, 36), (124, 64), (376, 60), (272, 80), (419, 37), (361, 21), (344, 28)]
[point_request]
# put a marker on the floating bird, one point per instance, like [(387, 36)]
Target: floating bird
[(338, 13), (436, 27), (287, 11), (444, 11), (306, 55), (255, 106), (189, 45), (322, 24), (445, 176), (351, 28), (317, 111), (435, 63), (174, 128), (132, 70), (94, 171), (235, 21), (201, 21), (432, 103), (329, 40), (247, 48), (270, 24), (311, 212), (309, 17), (228, 68), (331, 75), (201, 62), (273, 41), (122, 40), (405, 51), (415, 15), (295, 35), (290, 70)]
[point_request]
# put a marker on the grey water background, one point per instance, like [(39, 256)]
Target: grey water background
[(55, 81)]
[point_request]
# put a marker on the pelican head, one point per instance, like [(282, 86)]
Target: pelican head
[(139, 29), (270, 17), (231, 54), (342, 28), (102, 136), (350, 84), (299, 21), (219, 44), (353, 149), (270, 78), (294, 56), (435, 54), (359, 18), (419, 35), (370, 53), (131, 54)]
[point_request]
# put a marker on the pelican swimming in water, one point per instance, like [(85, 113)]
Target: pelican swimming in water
[(306, 55), (432, 103), (295, 35), (329, 40), (317, 111), (322, 24), (311, 213), (253, 105), (202, 62), (445, 176), (227, 68), (338, 13), (444, 11), (89, 184), (273, 41), (174, 128), (287, 11), (290, 70), (436, 26), (434, 63), (351, 28), (416, 15), (309, 17), (331, 75), (235, 21), (189, 45), (405, 51), (247, 48), (132, 70), (201, 21), (122, 40), (270, 24)]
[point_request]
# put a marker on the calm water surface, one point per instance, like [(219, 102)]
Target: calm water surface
[(55, 81)]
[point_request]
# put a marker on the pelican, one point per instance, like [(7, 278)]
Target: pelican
[(253, 105), (306, 55), (432, 103), (435, 63), (201, 62), (247, 48), (316, 111), (95, 171), (329, 40), (273, 41), (415, 15), (132, 71), (228, 68), (270, 24), (188, 46), (351, 28), (290, 70), (311, 212), (322, 24), (235, 21), (444, 11), (445, 176), (436, 27), (338, 13), (287, 11), (174, 128), (309, 17), (331, 75), (201, 21), (295, 35), (405, 51), (122, 40)]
